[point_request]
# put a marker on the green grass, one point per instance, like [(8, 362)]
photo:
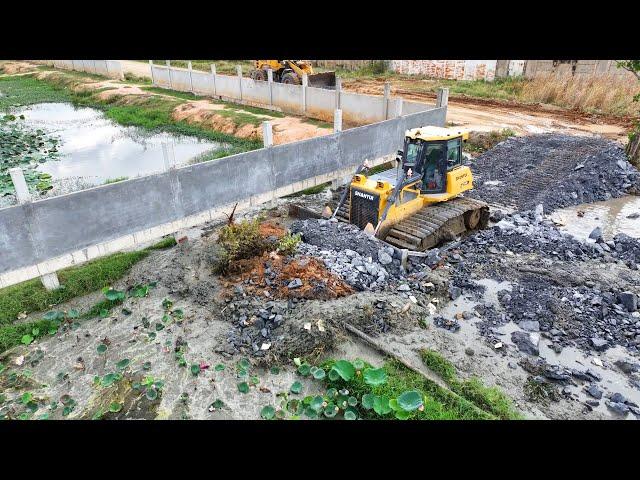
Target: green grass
[(439, 403), (172, 93), (480, 142), (115, 180), (255, 110), (31, 296), (318, 123), (26, 90), (489, 399), (215, 154), (311, 190)]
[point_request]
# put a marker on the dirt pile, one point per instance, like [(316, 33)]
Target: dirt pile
[(276, 276), (553, 170), (205, 113)]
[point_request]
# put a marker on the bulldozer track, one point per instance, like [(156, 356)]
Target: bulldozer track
[(526, 192), (431, 225)]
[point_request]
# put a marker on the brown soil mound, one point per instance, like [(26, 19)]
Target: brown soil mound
[(11, 68), (317, 281), (204, 113), (270, 229)]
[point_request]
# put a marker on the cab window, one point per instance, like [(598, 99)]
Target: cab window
[(412, 152), (453, 153)]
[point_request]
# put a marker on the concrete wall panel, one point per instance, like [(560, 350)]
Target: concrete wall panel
[(414, 107), (16, 247), (92, 216), (202, 83), (228, 86), (161, 76), (180, 80), (255, 91), (321, 103), (361, 109), (288, 97), (229, 179)]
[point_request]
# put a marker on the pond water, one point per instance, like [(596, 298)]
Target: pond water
[(618, 215), (96, 149)]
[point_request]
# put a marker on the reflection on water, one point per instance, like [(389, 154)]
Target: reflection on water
[(98, 149), (611, 215)]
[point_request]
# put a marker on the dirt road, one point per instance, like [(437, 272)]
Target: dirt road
[(480, 114)]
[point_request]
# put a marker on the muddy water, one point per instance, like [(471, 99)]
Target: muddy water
[(96, 149), (611, 215)]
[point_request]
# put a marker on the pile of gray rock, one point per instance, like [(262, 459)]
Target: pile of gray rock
[(591, 316), (553, 170), (255, 323)]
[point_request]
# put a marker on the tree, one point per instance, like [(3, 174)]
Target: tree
[(633, 147)]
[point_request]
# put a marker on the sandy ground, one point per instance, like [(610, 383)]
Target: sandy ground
[(484, 115)]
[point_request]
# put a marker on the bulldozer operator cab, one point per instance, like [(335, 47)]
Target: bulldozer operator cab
[(431, 152)]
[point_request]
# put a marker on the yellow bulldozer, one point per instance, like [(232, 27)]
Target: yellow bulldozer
[(418, 204), (291, 71)]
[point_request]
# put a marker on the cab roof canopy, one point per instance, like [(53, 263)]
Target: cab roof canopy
[(430, 133)]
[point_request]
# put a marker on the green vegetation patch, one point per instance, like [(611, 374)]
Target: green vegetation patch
[(489, 399), (480, 142), (31, 296)]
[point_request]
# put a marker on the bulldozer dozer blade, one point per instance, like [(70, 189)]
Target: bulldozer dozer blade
[(323, 80)]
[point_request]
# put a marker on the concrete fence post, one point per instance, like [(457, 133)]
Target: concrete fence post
[(387, 94), (20, 184), (168, 157), (337, 120), (239, 72), (169, 70), (338, 88), (398, 112), (50, 281), (190, 68), (442, 99), (213, 74), (153, 79), (270, 80), (267, 140), (267, 134), (305, 84)]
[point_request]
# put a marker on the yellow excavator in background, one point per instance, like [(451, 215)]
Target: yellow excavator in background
[(419, 204), (291, 71)]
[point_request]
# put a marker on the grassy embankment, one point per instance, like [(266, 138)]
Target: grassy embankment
[(606, 94), (31, 296)]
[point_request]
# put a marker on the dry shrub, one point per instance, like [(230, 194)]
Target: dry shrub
[(609, 94)]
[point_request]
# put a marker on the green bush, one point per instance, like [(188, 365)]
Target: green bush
[(238, 241), (287, 244)]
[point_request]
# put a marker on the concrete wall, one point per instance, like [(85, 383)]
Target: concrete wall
[(43, 236), (535, 68), (108, 68), (318, 103), (451, 69)]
